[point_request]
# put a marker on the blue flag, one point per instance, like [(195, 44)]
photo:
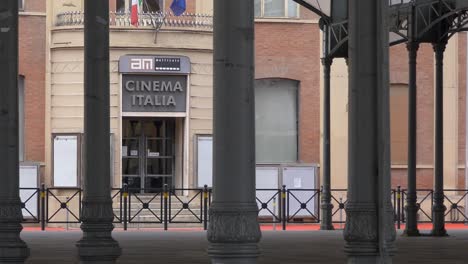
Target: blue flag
[(178, 7)]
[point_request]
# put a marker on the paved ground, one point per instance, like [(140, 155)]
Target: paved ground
[(290, 247)]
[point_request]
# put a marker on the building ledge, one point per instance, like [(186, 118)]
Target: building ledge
[(26, 13), (286, 20)]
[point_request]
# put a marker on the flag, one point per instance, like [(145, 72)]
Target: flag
[(178, 7), (136, 5)]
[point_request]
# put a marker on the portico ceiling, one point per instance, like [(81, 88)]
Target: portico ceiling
[(434, 20)]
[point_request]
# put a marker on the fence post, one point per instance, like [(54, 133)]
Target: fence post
[(67, 212), (403, 215), (166, 196), (125, 199), (283, 206), (398, 207), (43, 204), (274, 213), (205, 207), (341, 213)]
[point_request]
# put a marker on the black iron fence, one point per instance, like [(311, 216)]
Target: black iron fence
[(171, 207)]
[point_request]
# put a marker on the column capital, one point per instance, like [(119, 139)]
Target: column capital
[(327, 61), (439, 47), (412, 46)]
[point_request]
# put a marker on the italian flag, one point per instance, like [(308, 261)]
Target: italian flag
[(136, 4)]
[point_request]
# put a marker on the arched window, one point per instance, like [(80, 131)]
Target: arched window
[(276, 120)]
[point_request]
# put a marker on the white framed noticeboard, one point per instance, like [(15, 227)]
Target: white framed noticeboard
[(65, 160), (204, 160)]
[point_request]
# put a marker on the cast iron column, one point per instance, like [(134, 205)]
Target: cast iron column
[(438, 228), (326, 205), (234, 231), (411, 195), (370, 230), (12, 248), (97, 244)]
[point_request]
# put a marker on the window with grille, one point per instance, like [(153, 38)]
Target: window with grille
[(276, 9), (276, 117)]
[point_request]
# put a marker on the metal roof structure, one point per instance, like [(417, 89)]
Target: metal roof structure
[(421, 21)]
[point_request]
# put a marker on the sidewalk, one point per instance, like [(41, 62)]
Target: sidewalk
[(291, 247)]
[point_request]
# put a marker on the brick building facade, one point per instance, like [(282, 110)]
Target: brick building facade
[(287, 47), (32, 50)]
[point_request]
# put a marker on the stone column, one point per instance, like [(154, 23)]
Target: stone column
[(326, 205), (12, 248), (370, 230), (233, 231), (411, 195), (97, 244), (438, 215)]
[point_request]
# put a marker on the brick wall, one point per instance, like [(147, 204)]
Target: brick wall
[(32, 34), (425, 110), (292, 51), (34, 5)]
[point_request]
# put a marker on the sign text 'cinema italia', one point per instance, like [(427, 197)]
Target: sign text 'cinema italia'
[(154, 93), (153, 86), (152, 83)]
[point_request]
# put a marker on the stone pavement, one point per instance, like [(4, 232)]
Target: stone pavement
[(279, 247)]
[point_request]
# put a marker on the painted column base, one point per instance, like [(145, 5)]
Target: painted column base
[(326, 222), (236, 253), (369, 260), (411, 228), (97, 244), (411, 233), (98, 248), (438, 228), (234, 233), (368, 253), (12, 248)]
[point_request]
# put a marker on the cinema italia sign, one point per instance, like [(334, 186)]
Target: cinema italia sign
[(154, 83)]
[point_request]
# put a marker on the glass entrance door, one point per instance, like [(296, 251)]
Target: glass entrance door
[(148, 153)]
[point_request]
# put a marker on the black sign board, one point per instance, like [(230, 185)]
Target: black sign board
[(167, 64), (154, 64)]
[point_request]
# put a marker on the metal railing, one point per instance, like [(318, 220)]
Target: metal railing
[(154, 20), (30, 205), (339, 200), (270, 203), (424, 202), (165, 207), (184, 206), (59, 208), (303, 206), (457, 206)]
